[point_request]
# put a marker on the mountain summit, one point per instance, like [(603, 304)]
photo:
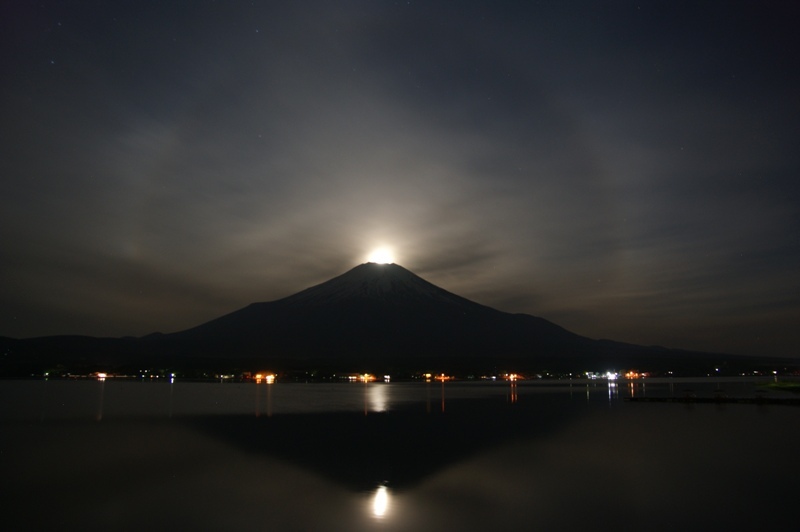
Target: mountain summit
[(387, 282)]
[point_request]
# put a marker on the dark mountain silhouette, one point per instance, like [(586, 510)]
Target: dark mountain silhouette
[(374, 310), (373, 317)]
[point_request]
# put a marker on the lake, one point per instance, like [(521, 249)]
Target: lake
[(548, 455)]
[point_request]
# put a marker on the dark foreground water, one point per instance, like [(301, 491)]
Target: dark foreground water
[(126, 455)]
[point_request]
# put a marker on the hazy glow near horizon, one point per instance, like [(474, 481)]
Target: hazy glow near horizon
[(382, 255)]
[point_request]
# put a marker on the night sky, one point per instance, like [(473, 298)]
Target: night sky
[(627, 170)]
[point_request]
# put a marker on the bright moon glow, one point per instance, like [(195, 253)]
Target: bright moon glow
[(381, 256)]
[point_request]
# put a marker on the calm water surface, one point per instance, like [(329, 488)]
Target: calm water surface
[(554, 455)]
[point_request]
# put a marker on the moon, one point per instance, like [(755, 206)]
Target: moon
[(382, 255)]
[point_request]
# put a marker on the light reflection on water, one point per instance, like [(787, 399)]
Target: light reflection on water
[(708, 466), (99, 415), (110, 398), (380, 502), (377, 397)]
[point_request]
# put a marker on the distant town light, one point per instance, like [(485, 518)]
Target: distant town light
[(269, 378)]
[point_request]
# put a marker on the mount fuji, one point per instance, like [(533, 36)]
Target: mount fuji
[(384, 317), (374, 317), (375, 311)]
